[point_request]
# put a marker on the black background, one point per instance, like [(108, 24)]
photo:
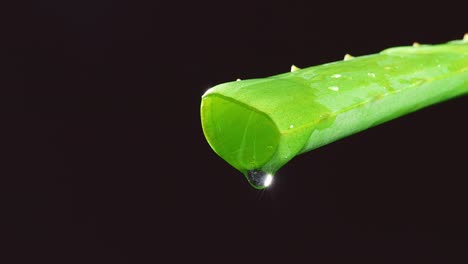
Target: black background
[(106, 161)]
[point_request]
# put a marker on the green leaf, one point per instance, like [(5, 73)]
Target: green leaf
[(261, 124)]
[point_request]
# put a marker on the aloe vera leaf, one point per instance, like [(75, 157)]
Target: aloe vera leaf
[(261, 124)]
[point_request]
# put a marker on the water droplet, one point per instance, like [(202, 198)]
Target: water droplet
[(334, 88), (259, 178), (336, 76), (308, 75), (291, 126), (371, 74), (387, 68), (438, 65), (416, 44)]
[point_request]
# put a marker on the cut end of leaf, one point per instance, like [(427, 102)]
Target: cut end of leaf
[(243, 136)]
